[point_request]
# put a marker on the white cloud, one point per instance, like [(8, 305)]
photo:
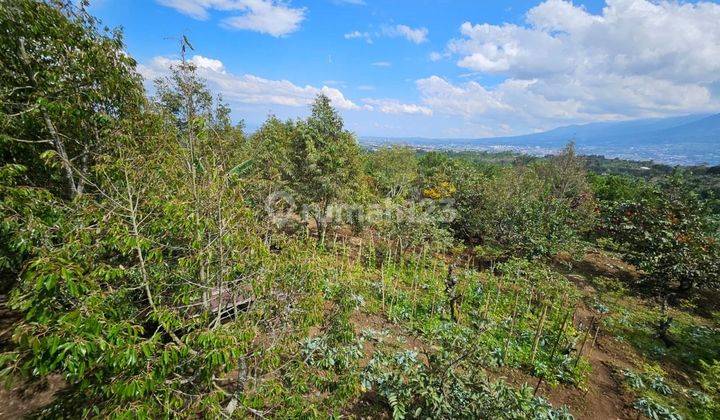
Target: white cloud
[(357, 35), (435, 56), (366, 87), (637, 58), (392, 106), (415, 35), (381, 64), (565, 65), (208, 63), (247, 88), (271, 17)]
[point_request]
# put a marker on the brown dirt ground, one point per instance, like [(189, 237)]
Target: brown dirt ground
[(20, 399), (23, 399)]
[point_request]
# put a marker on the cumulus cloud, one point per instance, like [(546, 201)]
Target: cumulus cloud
[(392, 106), (247, 88), (271, 17), (636, 58), (414, 35), (381, 64)]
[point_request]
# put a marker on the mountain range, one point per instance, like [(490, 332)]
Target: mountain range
[(685, 140)]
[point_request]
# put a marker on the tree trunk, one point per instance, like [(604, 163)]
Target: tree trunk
[(56, 140)]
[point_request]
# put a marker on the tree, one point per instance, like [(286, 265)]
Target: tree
[(65, 86), (325, 163), (270, 153), (566, 175), (148, 292), (524, 210), (671, 235), (394, 170)]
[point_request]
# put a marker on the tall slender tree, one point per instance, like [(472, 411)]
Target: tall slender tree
[(326, 163)]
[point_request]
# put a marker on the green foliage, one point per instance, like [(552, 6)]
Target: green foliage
[(447, 387), (409, 224), (655, 411), (137, 240), (609, 189), (534, 210), (394, 170), (325, 162), (670, 235), (27, 217), (710, 377), (648, 380), (65, 87)]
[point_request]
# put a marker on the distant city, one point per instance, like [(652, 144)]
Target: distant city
[(686, 140)]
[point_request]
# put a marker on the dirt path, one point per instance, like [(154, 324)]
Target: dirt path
[(604, 398)]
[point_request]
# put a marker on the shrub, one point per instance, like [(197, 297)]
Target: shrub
[(449, 388)]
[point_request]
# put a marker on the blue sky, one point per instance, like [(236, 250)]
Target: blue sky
[(443, 68)]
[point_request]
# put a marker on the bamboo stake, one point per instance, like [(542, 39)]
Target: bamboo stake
[(497, 296), (529, 305), (382, 284), (487, 301), (538, 333), (597, 331), (582, 346), (512, 327), (560, 335), (554, 348)]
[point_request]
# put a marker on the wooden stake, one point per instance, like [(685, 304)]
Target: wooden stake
[(529, 305), (582, 346), (512, 327), (382, 284), (486, 293), (538, 333), (597, 330), (552, 352), (560, 335)]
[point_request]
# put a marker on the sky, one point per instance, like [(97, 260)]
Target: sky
[(442, 68)]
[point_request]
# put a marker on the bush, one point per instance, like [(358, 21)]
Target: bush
[(449, 388)]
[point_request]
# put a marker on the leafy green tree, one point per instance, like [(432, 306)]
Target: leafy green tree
[(155, 287), (609, 189), (409, 224), (270, 150), (671, 235), (65, 86), (325, 163), (394, 170), (27, 216), (521, 210), (566, 175)]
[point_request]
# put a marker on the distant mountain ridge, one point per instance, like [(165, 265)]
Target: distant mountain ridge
[(686, 140)]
